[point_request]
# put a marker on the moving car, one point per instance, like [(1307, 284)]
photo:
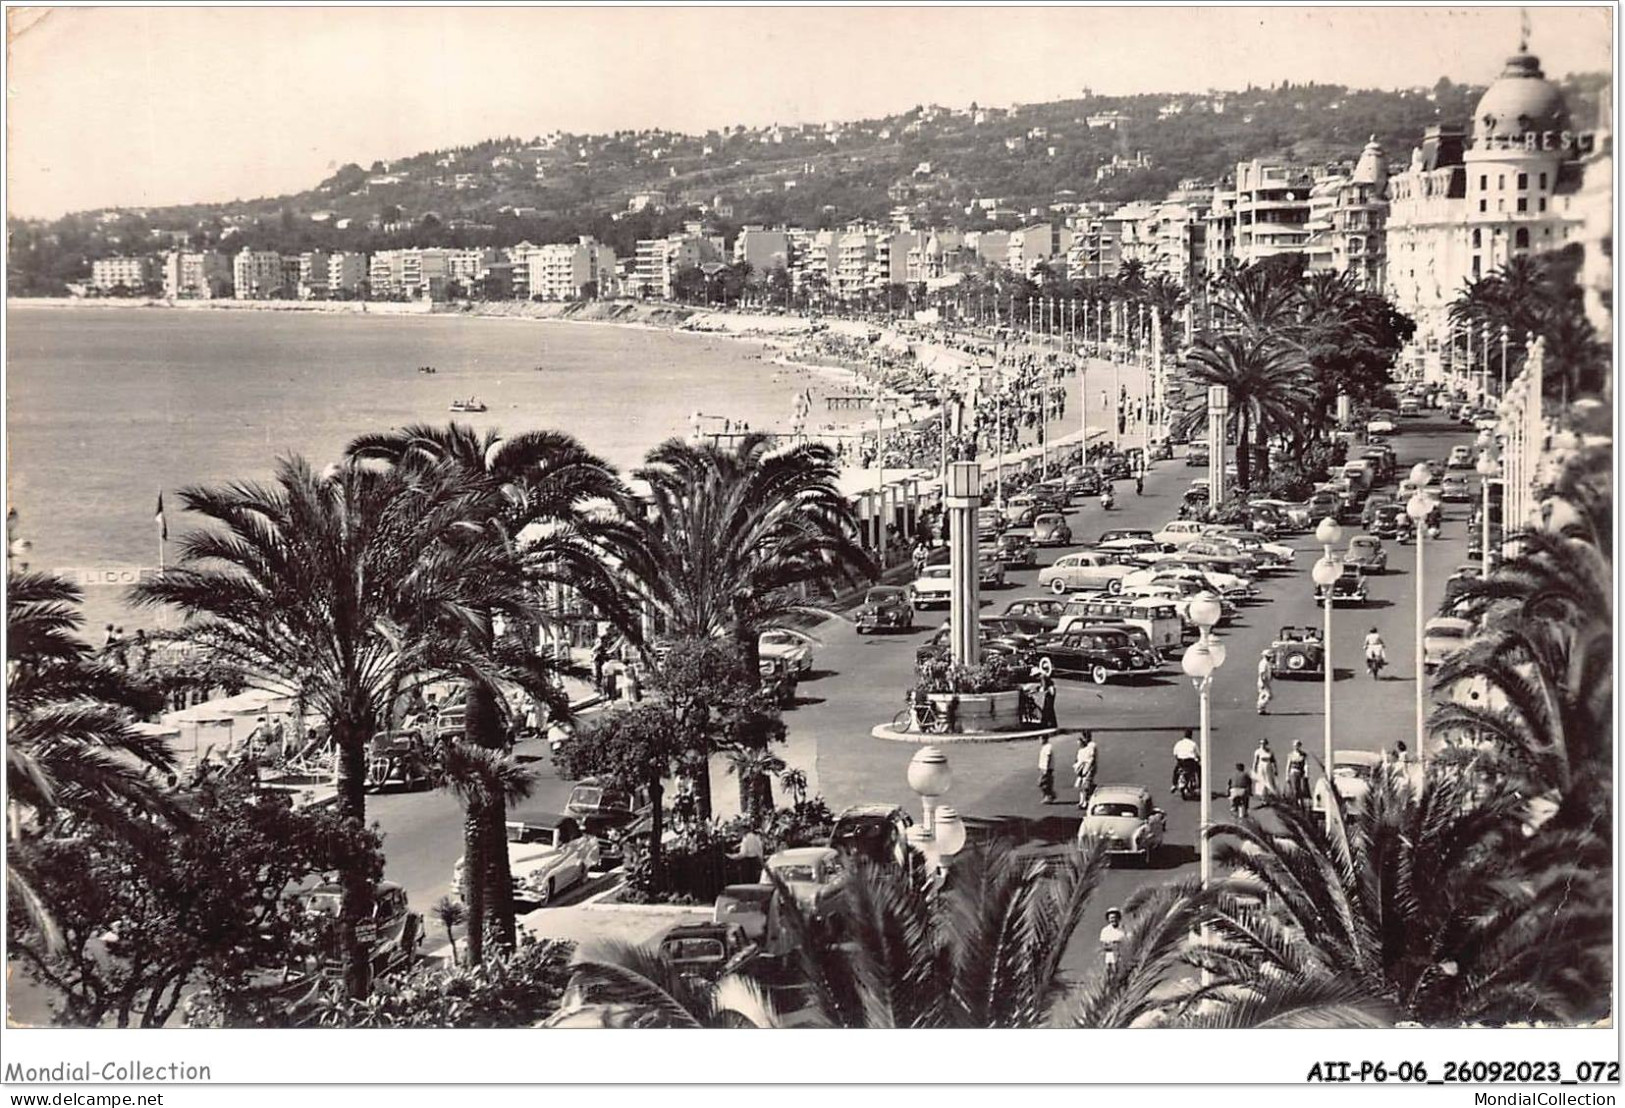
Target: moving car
[(1390, 521), (1051, 529), (1454, 489), (1380, 424), (1349, 588), (547, 853), (1083, 481), (990, 522), (398, 759), (1461, 457), (875, 832), (1297, 652), (1443, 636), (1372, 503), (1126, 820), (813, 875), (1367, 553), (1325, 503), (1100, 652), (1353, 772), (989, 569), (1083, 571), (793, 647), (1409, 408), (933, 586), (1015, 551), (885, 606)]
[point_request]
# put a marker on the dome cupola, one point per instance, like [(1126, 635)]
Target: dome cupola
[(1520, 101), (1371, 169)]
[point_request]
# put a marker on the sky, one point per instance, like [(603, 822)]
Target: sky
[(136, 107)]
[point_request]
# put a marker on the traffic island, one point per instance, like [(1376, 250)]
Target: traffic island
[(982, 703), (894, 734)]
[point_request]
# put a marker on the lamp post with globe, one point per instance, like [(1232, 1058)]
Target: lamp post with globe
[(1419, 507), (1489, 468), (941, 833), (1325, 573), (1203, 657)]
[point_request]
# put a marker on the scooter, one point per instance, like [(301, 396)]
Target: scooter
[(1107, 501), (1189, 780)]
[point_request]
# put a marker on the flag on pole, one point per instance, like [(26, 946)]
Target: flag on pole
[(163, 524)]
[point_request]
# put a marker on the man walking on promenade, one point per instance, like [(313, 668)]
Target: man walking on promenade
[(1046, 770), (1083, 769)]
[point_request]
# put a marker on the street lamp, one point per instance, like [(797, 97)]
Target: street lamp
[(1419, 508), (941, 834), (1325, 573), (930, 776), (1203, 657)]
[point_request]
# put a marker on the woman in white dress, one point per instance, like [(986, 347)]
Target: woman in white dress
[(1264, 770)]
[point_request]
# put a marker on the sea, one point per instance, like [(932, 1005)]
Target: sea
[(107, 408)]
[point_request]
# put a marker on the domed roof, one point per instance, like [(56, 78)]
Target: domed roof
[(1520, 100)]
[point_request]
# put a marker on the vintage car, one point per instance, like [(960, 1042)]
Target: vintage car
[(755, 910), (779, 681), (813, 875), (398, 759), (1461, 457), (1381, 424), (1349, 588), (1046, 610), (1366, 552), (1083, 481), (1009, 636), (932, 587), (1294, 518), (877, 833), (1297, 652), (1051, 529), (1372, 503), (1268, 554), (990, 523), (1053, 493), (1454, 489), (1201, 572), (1390, 521), (1138, 552), (885, 606), (1181, 531), (1158, 619), (1323, 504), (1124, 818), (989, 569), (1180, 592), (547, 853), (1220, 547), (394, 933), (1100, 652), (1114, 534), (707, 950), (1353, 772), (1443, 636), (605, 812), (1015, 551), (794, 647), (1022, 510), (1456, 585), (1082, 571)]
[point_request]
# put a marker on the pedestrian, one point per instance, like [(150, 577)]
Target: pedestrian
[(634, 685), (921, 553), (600, 655), (612, 682), (1083, 769), (1265, 679), (1264, 770), (143, 646), (1240, 789), (1046, 770), (1046, 711), (1139, 485), (1111, 936), (1297, 773)]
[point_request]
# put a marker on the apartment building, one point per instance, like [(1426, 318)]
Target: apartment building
[(762, 249), (817, 257), (577, 270), (346, 273), (310, 274), (257, 274), (196, 275), (123, 274), (658, 260), (1271, 210), (856, 251), (413, 273)]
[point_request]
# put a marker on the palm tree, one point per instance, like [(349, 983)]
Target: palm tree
[(558, 513), (482, 779), (330, 587), (1267, 389), (755, 768), (1421, 902), (71, 752), (736, 537), (451, 914), (1256, 299)]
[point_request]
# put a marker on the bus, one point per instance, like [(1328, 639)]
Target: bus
[(1158, 618)]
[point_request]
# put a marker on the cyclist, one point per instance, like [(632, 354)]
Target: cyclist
[(1187, 759), (1376, 654)]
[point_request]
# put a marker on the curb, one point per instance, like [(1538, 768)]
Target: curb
[(884, 731)]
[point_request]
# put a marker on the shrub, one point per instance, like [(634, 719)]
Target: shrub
[(996, 674)]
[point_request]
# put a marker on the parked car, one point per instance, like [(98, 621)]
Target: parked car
[(1366, 552), (1380, 425), (1323, 504), (1297, 652), (1295, 518), (933, 586), (1390, 521), (1454, 489), (1016, 551), (547, 853), (1486, 419), (1084, 481), (793, 647), (605, 813), (1124, 818), (1041, 609), (1372, 503), (1442, 636), (1100, 652), (778, 681), (1005, 635), (1114, 534), (1349, 588), (1051, 529), (1455, 586), (885, 606), (1084, 570), (755, 910), (1020, 511), (1178, 532), (1268, 554), (1220, 546), (877, 833), (1157, 619), (398, 759), (1461, 457), (813, 875), (396, 931), (706, 950), (1137, 552), (1409, 409)]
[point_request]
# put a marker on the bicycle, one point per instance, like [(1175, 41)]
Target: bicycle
[(925, 720)]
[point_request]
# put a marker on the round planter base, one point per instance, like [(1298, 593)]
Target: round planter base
[(886, 731)]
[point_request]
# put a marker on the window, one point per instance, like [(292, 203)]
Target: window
[(1478, 238), (1521, 239), (1483, 205), (1483, 182), (1500, 180), (1523, 181), (1523, 203), (1476, 267), (1542, 203), (1543, 181), (1501, 204)]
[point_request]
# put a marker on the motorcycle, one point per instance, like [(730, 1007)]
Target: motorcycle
[(1189, 780), (1374, 661), (1107, 501)]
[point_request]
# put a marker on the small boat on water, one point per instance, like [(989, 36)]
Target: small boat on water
[(470, 405), (427, 369)]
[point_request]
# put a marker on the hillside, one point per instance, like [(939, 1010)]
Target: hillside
[(933, 161)]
